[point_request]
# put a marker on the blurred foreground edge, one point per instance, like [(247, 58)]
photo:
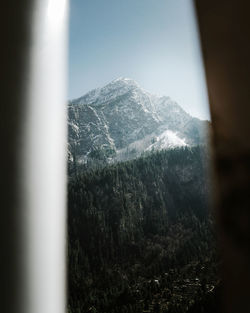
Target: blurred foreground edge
[(33, 156), (225, 32)]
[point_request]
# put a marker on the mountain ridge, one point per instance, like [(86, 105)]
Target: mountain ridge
[(123, 120)]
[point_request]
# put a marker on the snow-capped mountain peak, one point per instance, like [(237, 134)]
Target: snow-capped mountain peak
[(124, 81), (123, 120)]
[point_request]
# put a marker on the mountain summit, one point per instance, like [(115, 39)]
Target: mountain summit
[(121, 120)]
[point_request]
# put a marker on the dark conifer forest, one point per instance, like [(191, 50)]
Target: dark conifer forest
[(141, 236)]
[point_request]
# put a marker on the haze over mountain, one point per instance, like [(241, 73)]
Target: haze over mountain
[(121, 120)]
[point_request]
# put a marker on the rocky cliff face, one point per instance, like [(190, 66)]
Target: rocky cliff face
[(121, 120)]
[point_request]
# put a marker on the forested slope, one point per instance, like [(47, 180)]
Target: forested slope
[(141, 236)]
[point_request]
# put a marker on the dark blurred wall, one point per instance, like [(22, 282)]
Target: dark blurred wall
[(15, 37), (225, 36)]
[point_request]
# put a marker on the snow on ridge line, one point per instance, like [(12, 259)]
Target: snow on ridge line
[(173, 138), (168, 139), (120, 86)]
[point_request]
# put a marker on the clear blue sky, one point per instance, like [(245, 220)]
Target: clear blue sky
[(154, 42)]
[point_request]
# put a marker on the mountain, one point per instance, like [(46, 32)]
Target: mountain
[(121, 121), (140, 232)]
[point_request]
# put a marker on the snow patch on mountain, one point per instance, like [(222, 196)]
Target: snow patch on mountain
[(167, 140)]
